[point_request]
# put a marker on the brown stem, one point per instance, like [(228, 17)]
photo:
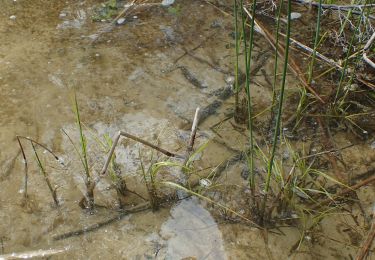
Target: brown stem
[(41, 145), (137, 139), (46, 178), (346, 191), (260, 28), (370, 237), (138, 208)]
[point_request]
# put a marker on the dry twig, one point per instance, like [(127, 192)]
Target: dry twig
[(346, 191), (292, 64), (370, 237), (366, 48), (339, 7)]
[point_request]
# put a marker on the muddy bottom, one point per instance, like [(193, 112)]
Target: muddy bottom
[(145, 76)]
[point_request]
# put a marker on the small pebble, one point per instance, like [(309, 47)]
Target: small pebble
[(12, 17), (205, 183), (167, 2), (216, 24), (229, 80), (295, 15), (121, 21)]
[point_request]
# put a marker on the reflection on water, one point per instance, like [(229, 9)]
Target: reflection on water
[(191, 231)]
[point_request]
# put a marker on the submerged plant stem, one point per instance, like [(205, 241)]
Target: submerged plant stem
[(46, 178)]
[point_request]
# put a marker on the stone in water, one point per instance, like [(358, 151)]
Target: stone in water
[(167, 2), (121, 21), (295, 15)]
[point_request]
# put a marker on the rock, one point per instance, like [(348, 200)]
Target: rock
[(12, 17), (217, 24), (372, 145), (120, 21), (205, 183), (167, 2), (295, 15)]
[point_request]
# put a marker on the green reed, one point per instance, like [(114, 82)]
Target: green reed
[(279, 113), (316, 43), (248, 45), (83, 155)]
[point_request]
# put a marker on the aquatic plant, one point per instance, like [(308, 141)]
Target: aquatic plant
[(88, 200), (279, 112), (248, 43)]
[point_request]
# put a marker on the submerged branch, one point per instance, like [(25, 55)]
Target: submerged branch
[(138, 208), (370, 237)]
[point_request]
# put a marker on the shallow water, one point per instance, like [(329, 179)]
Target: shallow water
[(136, 77)]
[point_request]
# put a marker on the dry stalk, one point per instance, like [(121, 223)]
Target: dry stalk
[(281, 52), (19, 137), (339, 7), (318, 54), (137, 139), (370, 237), (346, 191), (366, 48), (137, 208)]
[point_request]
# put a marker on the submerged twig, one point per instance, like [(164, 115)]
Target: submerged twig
[(25, 167), (281, 52), (318, 54), (41, 145), (346, 191), (370, 237), (138, 208), (19, 137), (53, 191)]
